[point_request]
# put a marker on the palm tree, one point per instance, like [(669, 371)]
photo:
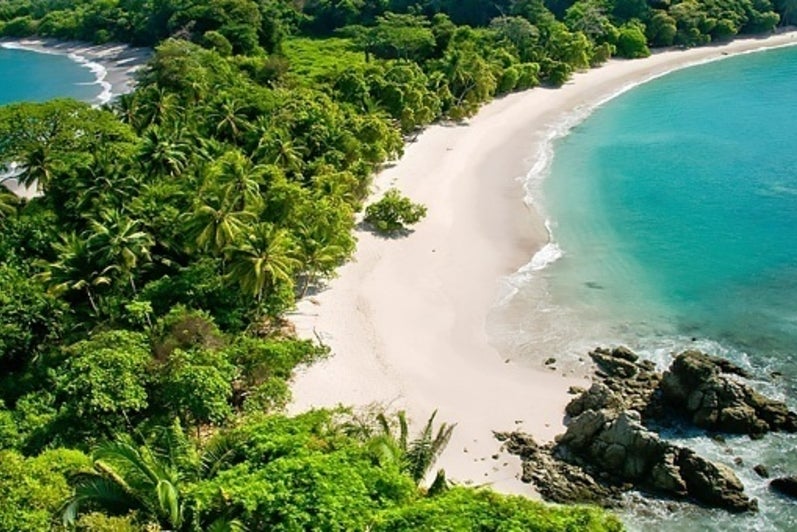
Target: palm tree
[(148, 479), (241, 179), (281, 150), (75, 270), (215, 224), (416, 457), (124, 479), (319, 254), (230, 119), (262, 260), (163, 153), (37, 167), (118, 244), (8, 202)]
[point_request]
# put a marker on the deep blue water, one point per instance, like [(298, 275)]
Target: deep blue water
[(32, 76), (675, 208)]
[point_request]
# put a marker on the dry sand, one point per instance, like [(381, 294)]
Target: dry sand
[(405, 320), (114, 65)]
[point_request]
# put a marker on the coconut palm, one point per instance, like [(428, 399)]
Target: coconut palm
[(164, 153), (75, 270), (319, 253), (280, 149), (117, 243), (261, 260), (215, 224), (8, 202), (37, 167), (230, 119), (417, 456), (241, 179)]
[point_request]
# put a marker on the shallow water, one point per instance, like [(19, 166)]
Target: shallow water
[(673, 213), (31, 76)]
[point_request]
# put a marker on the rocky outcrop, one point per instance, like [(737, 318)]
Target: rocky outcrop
[(616, 444), (610, 446), (701, 386), (635, 382), (785, 486), (557, 480)]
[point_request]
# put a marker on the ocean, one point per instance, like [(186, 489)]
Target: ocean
[(26, 75), (672, 210)]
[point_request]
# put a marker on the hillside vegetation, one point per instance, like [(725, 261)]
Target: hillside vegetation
[(144, 359)]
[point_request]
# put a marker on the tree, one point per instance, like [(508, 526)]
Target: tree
[(127, 478), (631, 41), (416, 456), (30, 319), (102, 381), (33, 488), (393, 213), (263, 262), (196, 384), (119, 245), (215, 223), (74, 270), (164, 153)]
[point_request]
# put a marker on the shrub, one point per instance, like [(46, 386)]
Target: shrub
[(393, 213)]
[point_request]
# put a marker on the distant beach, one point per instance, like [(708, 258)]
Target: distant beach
[(406, 318), (114, 67)]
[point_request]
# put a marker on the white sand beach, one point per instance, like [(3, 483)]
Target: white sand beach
[(405, 320), (114, 65)]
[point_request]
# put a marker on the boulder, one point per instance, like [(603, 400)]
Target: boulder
[(556, 480), (598, 397), (618, 362), (785, 486), (699, 385), (761, 470), (713, 484)]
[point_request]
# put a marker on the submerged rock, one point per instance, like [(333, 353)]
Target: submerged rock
[(785, 486)]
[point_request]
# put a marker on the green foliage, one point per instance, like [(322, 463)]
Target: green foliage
[(30, 319), (469, 509), (394, 213), (103, 380), (33, 489), (631, 42)]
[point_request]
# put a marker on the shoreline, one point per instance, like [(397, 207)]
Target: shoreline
[(406, 318), (114, 65)]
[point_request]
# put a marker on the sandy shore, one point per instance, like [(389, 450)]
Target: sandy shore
[(114, 65), (406, 319)]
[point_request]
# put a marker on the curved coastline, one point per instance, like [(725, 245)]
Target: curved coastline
[(113, 65), (406, 318)]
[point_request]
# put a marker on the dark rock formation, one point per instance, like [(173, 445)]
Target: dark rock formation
[(761, 470), (700, 386), (633, 381), (609, 446), (785, 486), (557, 480), (617, 444)]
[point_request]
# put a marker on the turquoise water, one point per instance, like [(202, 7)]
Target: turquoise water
[(674, 209), (32, 76)]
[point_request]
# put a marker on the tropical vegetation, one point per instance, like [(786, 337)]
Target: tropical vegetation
[(144, 353)]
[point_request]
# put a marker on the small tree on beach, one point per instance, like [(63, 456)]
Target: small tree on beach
[(393, 213)]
